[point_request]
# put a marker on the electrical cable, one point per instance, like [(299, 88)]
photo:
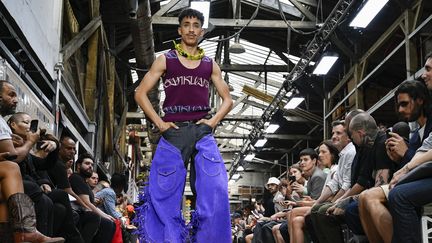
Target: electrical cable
[(124, 62), (290, 26)]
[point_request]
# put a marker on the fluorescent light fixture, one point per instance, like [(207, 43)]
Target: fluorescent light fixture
[(249, 157), (293, 103), (325, 63), (204, 8), (236, 176), (367, 13), (272, 128), (240, 168), (260, 142)]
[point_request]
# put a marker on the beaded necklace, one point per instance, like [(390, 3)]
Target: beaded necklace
[(182, 52)]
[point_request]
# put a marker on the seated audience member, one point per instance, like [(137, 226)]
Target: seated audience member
[(280, 231), (18, 214), (371, 142), (53, 209), (406, 200), (314, 175), (341, 181), (264, 231), (93, 181), (272, 189), (58, 173), (295, 175), (108, 194), (329, 156), (412, 101), (238, 227), (84, 167), (259, 210), (250, 219)]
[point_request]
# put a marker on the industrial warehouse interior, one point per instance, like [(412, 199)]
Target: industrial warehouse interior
[(315, 126)]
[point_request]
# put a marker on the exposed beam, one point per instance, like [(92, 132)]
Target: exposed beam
[(238, 23), (273, 4), (312, 3), (72, 46), (250, 102), (257, 78), (303, 10), (240, 118), (165, 8), (269, 136), (381, 40), (253, 68), (137, 115), (341, 46)]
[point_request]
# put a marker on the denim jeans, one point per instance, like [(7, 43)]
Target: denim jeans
[(161, 217), (405, 202), (352, 218)]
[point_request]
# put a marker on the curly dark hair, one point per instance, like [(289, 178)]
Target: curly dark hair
[(188, 12)]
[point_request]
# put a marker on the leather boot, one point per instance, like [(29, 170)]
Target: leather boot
[(22, 219), (5, 232)]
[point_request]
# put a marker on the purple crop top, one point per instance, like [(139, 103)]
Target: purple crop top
[(186, 90)]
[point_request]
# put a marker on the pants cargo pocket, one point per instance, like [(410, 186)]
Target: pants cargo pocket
[(211, 164), (167, 178)]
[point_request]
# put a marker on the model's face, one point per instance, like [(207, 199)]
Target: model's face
[(67, 149), (427, 75), (190, 30), (408, 109), (325, 156), (9, 100), (306, 163), (22, 125), (339, 137)]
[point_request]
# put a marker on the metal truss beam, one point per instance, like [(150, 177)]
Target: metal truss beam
[(269, 136), (315, 45), (253, 68), (238, 23)]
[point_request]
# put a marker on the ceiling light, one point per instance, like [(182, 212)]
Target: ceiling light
[(240, 168), (325, 63), (367, 13), (237, 48), (249, 157), (204, 8), (260, 142), (293, 103), (236, 176), (272, 128)]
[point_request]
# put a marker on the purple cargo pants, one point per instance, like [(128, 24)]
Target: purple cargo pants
[(160, 219)]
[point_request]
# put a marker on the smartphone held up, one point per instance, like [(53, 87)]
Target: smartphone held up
[(34, 125)]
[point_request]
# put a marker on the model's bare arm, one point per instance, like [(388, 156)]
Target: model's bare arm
[(223, 91), (147, 83)]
